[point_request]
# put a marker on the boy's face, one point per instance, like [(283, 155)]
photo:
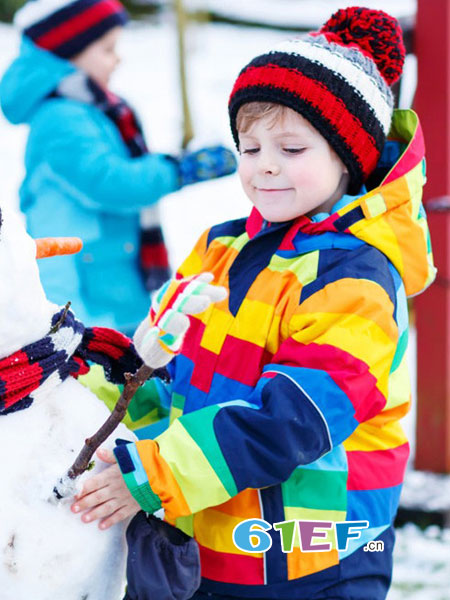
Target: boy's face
[(100, 59), (288, 169)]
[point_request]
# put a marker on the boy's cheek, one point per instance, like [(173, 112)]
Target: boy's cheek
[(245, 173), (242, 168), (249, 191)]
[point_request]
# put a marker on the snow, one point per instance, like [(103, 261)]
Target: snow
[(148, 78), (421, 564), (426, 491), (50, 552), (22, 300), (12, 139)]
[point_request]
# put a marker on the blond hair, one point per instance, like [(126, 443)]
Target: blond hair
[(252, 111)]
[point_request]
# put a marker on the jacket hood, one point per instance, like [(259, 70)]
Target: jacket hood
[(390, 216), (30, 78)]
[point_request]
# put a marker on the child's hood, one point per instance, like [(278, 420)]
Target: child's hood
[(30, 78), (389, 217)]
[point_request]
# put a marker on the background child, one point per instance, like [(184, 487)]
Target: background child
[(88, 170), (286, 397)]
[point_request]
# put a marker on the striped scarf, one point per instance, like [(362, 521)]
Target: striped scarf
[(153, 258), (65, 351)]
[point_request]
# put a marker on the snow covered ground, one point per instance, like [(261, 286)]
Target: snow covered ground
[(148, 78)]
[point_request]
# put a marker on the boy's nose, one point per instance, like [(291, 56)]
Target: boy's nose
[(272, 169), (269, 166)]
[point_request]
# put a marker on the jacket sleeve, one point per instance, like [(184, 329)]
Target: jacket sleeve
[(150, 403), (81, 155), (329, 375)]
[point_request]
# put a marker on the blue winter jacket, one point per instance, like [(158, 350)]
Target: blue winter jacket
[(81, 181)]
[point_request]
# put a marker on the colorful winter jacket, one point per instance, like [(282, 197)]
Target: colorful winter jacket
[(81, 181), (287, 396)]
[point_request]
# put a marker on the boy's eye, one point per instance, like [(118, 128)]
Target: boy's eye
[(294, 150), (250, 151)]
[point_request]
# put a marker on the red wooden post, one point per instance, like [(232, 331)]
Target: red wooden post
[(432, 46)]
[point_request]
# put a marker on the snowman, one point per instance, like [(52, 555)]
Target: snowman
[(46, 552)]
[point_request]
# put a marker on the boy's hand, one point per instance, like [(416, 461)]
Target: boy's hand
[(204, 164), (160, 336), (105, 496)]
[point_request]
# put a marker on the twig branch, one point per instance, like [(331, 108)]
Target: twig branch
[(61, 320), (82, 461)]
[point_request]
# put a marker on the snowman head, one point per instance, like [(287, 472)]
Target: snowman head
[(25, 312)]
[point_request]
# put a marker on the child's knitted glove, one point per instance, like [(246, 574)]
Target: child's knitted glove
[(160, 335), (207, 163)]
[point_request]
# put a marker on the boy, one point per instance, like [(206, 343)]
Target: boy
[(286, 397), (88, 170)]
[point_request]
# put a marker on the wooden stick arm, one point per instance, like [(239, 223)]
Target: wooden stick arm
[(65, 486)]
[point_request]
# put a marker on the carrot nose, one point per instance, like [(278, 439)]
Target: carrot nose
[(57, 246)]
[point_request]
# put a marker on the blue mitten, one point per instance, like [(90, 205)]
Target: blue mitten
[(207, 163)]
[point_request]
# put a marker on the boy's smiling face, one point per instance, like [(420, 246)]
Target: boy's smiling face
[(288, 169), (100, 58)]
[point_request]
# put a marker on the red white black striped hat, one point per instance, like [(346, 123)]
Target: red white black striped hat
[(66, 28), (337, 78)]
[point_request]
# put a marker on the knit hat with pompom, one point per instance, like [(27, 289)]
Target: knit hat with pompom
[(67, 27), (338, 78)]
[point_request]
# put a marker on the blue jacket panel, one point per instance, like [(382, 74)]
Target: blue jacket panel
[(80, 180)]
